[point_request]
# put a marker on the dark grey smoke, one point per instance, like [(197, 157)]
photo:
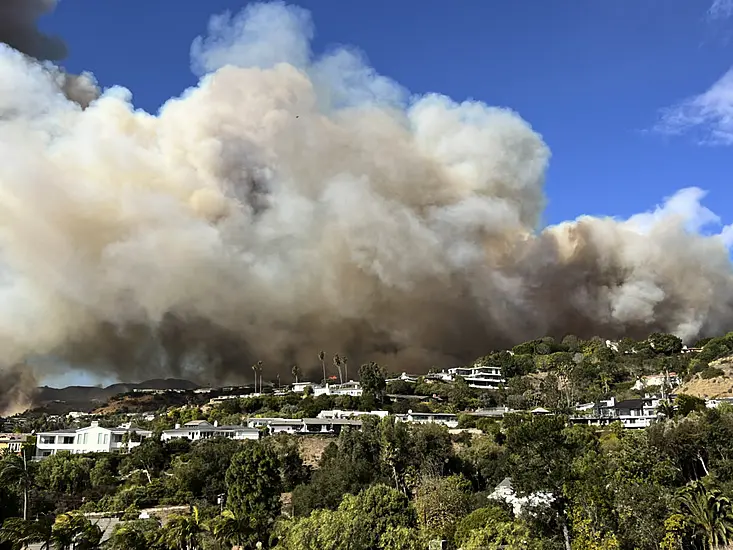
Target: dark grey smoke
[(19, 29), (18, 389)]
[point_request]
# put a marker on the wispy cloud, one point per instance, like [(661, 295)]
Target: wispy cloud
[(726, 235), (708, 116), (721, 9), (686, 208)]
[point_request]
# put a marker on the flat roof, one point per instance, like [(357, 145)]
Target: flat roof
[(338, 421), (212, 429)]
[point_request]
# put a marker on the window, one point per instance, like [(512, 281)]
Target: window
[(99, 439)]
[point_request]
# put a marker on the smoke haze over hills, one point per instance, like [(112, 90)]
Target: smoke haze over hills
[(292, 203)]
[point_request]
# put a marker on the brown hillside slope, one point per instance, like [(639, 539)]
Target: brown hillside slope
[(720, 386)]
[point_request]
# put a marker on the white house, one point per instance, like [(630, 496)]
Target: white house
[(200, 429), (351, 388), (632, 413), (92, 439), (335, 413), (404, 377), (13, 443), (223, 398), (638, 413), (493, 412), (445, 419), (299, 387), (476, 376), (302, 426)]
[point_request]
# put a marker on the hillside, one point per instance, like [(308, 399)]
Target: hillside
[(85, 398), (146, 402), (719, 386)]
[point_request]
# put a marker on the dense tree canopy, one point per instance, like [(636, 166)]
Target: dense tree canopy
[(529, 481)]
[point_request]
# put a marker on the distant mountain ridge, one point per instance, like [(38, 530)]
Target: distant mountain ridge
[(90, 394)]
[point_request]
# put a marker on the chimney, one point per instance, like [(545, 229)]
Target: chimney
[(95, 424), (178, 426), (216, 423)]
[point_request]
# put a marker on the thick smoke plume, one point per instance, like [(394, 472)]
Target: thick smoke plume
[(293, 203), (19, 30), (18, 389)]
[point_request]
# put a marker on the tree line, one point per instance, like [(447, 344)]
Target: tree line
[(392, 485)]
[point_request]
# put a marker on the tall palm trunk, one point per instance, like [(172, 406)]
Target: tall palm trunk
[(259, 371), (321, 356), (337, 364), (25, 485)]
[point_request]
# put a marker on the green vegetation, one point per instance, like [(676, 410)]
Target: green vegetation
[(394, 485)]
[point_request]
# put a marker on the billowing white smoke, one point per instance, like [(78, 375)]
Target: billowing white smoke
[(291, 204)]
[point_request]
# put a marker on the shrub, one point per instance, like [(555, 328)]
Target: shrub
[(711, 372)]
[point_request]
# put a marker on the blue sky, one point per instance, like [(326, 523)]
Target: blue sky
[(592, 77)]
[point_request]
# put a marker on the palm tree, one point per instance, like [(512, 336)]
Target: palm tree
[(74, 530), (183, 532), (296, 372), (321, 357), (254, 370), (21, 533), (14, 532), (337, 364), (42, 529), (14, 471), (345, 361), (133, 535), (666, 408), (709, 512), (258, 370), (232, 528), (605, 379)]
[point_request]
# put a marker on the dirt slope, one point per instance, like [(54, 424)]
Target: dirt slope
[(720, 386)]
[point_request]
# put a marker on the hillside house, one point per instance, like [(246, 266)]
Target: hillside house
[(492, 412), (476, 376), (336, 413), (715, 403), (200, 429), (404, 377), (304, 426), (632, 413), (351, 388), (222, 398), (12, 443), (92, 439), (445, 419)]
